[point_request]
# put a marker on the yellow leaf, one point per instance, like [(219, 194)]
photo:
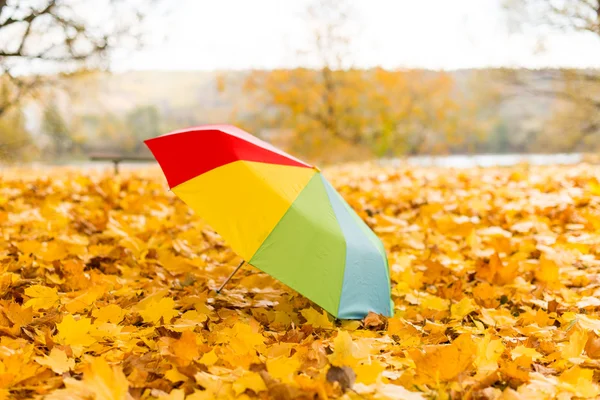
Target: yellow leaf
[(435, 303), (242, 338), (347, 352), (53, 251), (580, 382), (594, 186), (350, 325), (57, 361), (84, 300), (250, 380), (163, 308), (488, 353), (213, 385), (444, 362), (547, 271), (462, 308), (101, 381), (316, 319), (186, 348), (20, 316), (105, 330), (525, 351), (111, 313), (175, 376), (576, 344), (368, 373), (209, 358), (75, 333), (175, 394), (283, 368), (189, 320), (41, 297)]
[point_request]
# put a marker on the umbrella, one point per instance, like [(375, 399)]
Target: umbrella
[(279, 214)]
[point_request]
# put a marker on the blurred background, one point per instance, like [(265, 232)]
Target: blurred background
[(487, 81)]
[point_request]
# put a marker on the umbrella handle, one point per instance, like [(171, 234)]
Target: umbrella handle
[(230, 276)]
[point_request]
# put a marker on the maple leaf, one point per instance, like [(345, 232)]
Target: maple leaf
[(488, 353), (445, 362), (435, 303), (84, 300), (576, 345), (283, 368), (75, 333), (316, 319), (525, 351), (346, 351), (249, 381), (214, 387), (155, 310), (57, 361), (463, 308), (111, 313), (368, 373), (19, 316), (189, 319), (497, 271), (547, 271), (41, 297), (52, 251), (100, 382), (580, 382), (209, 358), (242, 338), (175, 376), (186, 348)]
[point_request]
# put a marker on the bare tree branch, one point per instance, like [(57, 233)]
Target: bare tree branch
[(74, 43)]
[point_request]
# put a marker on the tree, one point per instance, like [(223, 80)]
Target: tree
[(566, 15), (55, 127), (381, 112), (360, 113), (575, 124), (38, 37), (15, 141), (143, 123), (112, 133)]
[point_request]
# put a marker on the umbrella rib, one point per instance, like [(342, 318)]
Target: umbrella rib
[(230, 276)]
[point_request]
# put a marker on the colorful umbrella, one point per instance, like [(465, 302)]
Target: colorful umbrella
[(280, 215)]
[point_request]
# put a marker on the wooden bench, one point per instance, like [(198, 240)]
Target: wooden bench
[(117, 158)]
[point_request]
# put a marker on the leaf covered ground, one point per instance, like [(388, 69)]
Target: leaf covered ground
[(107, 292)]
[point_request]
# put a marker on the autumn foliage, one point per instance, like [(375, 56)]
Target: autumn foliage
[(107, 292), (361, 113)]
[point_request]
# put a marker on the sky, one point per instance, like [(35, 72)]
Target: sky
[(433, 34)]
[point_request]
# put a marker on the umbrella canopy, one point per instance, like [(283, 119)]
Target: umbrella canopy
[(280, 214)]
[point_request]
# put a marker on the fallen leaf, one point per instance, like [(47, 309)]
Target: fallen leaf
[(344, 376), (316, 319), (41, 297), (57, 361), (163, 308), (249, 381), (375, 321)]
